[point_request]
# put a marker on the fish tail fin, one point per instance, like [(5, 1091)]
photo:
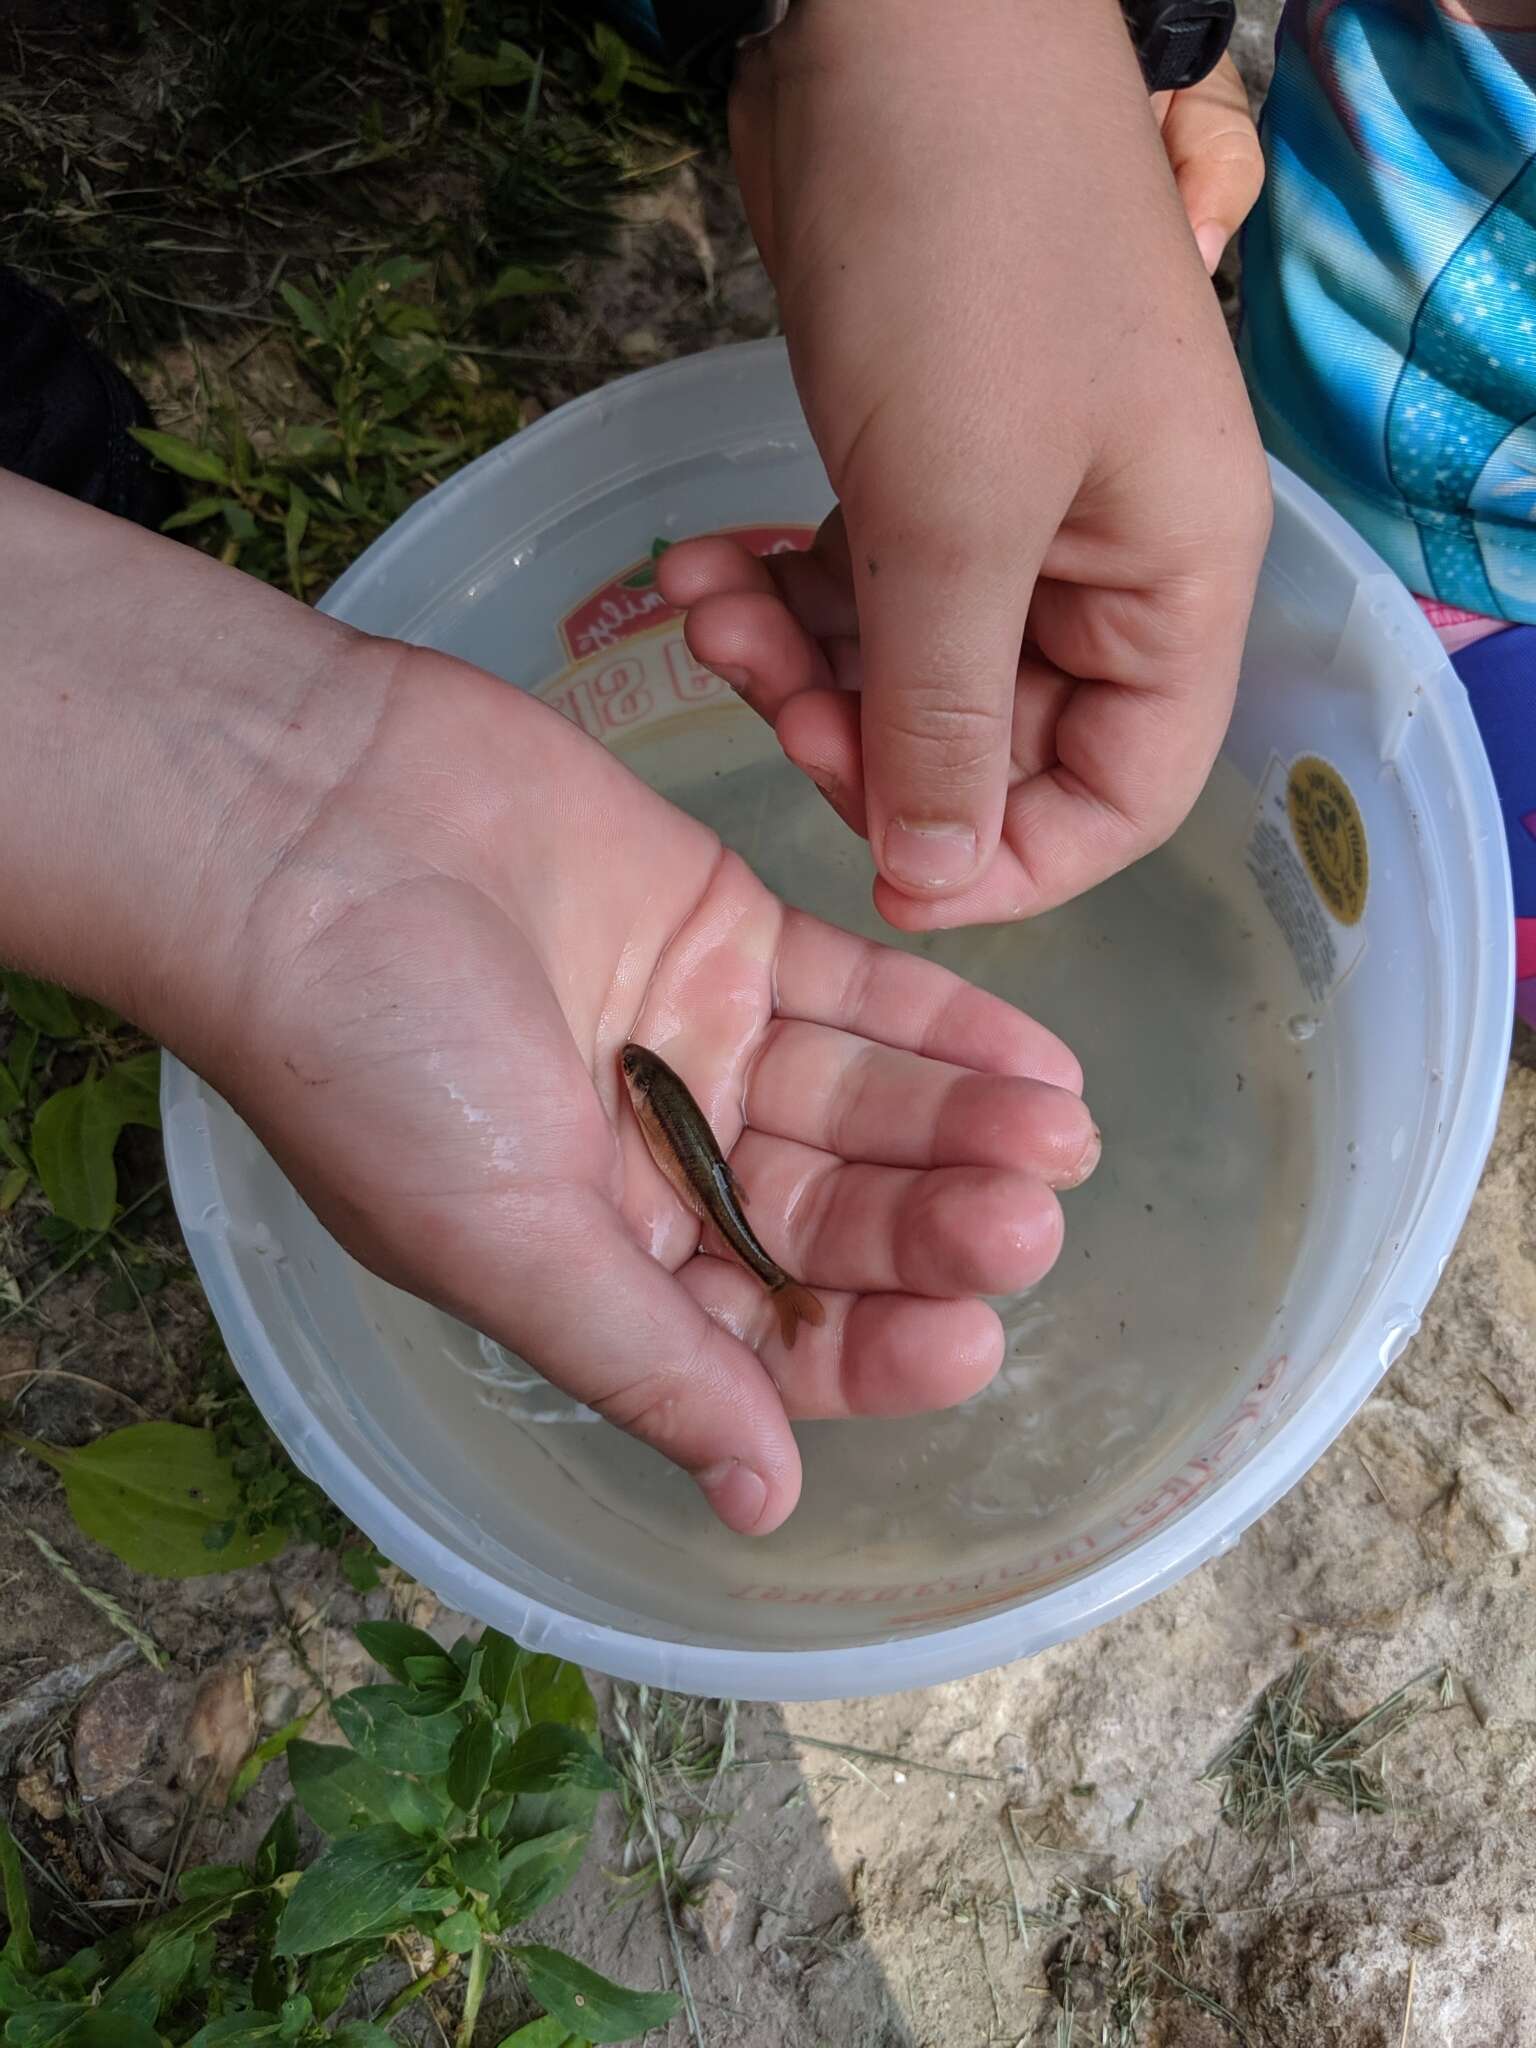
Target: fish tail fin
[(796, 1305)]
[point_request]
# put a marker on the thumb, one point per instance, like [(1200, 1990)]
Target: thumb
[(942, 602), (606, 1322), (1214, 153)]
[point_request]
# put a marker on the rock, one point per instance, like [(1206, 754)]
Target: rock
[(710, 1915), (283, 1688), (416, 1607), (279, 1706), (144, 1819), (18, 1356), (220, 1730), (38, 1791), (641, 345), (117, 1732)]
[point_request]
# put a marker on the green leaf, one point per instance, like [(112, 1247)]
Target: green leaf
[(75, 1134), (546, 2033), (17, 1992), (306, 312), (10, 1094), (406, 356), (435, 1674), (394, 273), (74, 1138), (151, 1493), (390, 1643), (296, 2014), (469, 1764), (500, 1661), (360, 1567), (105, 2028), (160, 1971), (295, 526), (342, 1791), (198, 1915), (201, 464), (476, 1866), (547, 1759), (213, 1881), (536, 1814), (517, 281), (535, 1872), (330, 1976), (40, 2024), (18, 1061), (194, 514), (238, 2029), (616, 58), (549, 1689), (459, 1933), (313, 444), (377, 1721), (80, 1975), (469, 73), (133, 1088), (20, 1949), (278, 1854), (267, 1753), (12, 1184), (238, 519), (362, 2034), (599, 2010), (358, 1886), (38, 1003)]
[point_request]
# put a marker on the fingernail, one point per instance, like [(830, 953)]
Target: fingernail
[(735, 1492), (736, 677), (1211, 241), (1093, 1151), (929, 856)]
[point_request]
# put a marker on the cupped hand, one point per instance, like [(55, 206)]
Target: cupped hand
[(435, 981), (1011, 656)]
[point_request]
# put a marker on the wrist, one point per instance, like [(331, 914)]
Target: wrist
[(171, 726)]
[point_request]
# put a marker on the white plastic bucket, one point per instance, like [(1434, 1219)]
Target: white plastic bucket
[(527, 563)]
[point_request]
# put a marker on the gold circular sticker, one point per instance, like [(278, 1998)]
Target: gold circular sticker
[(1330, 833)]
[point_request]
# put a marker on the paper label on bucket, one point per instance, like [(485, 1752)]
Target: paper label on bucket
[(1307, 851), (629, 661), (629, 603)]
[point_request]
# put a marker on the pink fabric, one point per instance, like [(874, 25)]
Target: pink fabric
[(1458, 629)]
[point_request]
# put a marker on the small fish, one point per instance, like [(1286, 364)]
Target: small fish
[(683, 1146)]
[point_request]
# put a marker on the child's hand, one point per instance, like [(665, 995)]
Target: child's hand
[(404, 918), (1214, 154), (1025, 622)]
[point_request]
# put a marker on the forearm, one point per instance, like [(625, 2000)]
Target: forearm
[(167, 729)]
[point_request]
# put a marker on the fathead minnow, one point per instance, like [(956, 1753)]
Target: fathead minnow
[(683, 1146)]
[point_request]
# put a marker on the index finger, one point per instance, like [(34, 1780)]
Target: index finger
[(826, 976)]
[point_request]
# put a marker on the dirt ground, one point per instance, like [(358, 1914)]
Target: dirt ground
[(883, 1870)]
